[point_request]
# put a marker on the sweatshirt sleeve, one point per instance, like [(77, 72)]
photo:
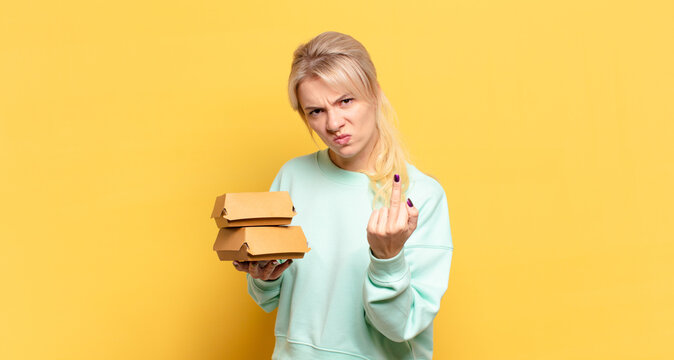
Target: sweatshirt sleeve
[(266, 293), (401, 295)]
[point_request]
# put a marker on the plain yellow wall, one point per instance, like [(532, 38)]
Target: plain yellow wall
[(550, 126)]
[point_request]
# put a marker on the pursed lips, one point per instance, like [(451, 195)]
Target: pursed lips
[(342, 139)]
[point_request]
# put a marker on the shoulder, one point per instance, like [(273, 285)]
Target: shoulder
[(298, 169), (423, 186), (428, 196), (299, 163), (294, 172)]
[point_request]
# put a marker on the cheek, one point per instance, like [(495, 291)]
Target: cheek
[(367, 123), (313, 125), (320, 131)]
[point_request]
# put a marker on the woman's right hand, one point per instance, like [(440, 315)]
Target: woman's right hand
[(263, 270)]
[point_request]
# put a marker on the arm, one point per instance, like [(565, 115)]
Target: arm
[(265, 293), (402, 294)]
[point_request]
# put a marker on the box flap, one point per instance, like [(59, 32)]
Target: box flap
[(279, 239), (229, 239), (253, 205), (219, 206)]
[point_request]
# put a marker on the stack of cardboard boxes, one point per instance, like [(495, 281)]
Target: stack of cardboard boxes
[(251, 227)]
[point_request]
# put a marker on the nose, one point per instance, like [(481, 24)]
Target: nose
[(335, 121)]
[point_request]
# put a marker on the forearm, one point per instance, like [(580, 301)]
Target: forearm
[(400, 301), (265, 293)]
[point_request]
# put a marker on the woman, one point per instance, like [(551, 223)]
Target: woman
[(372, 282)]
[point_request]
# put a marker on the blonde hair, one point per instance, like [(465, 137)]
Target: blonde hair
[(343, 62)]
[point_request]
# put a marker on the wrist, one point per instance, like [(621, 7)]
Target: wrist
[(385, 255), (265, 284), (388, 270), (269, 280)]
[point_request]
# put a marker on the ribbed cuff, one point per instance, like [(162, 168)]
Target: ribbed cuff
[(388, 270), (264, 285)]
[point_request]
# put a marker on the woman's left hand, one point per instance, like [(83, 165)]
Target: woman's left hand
[(389, 228)]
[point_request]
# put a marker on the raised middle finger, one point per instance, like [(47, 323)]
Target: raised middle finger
[(395, 198)]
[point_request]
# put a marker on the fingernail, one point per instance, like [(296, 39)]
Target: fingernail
[(274, 263), (409, 202), (236, 263), (396, 178)]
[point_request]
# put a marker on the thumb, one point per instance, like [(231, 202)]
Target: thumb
[(413, 215)]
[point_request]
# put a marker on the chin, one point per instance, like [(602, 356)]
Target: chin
[(343, 152)]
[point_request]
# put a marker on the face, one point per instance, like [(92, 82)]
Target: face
[(344, 122)]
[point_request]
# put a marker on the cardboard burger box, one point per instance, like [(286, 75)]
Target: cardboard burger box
[(261, 243), (253, 209), (250, 227)]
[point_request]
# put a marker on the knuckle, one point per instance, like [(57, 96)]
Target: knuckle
[(392, 230)]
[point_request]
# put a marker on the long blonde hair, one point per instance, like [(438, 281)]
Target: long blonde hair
[(343, 62)]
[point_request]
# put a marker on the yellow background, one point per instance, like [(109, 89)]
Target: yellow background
[(550, 127)]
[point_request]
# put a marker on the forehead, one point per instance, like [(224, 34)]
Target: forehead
[(315, 90)]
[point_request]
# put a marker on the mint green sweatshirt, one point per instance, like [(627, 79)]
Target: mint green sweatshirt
[(339, 301)]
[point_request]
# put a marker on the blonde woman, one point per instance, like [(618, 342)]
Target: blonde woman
[(378, 227)]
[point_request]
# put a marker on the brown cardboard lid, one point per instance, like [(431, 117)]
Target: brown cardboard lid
[(254, 205), (262, 239)]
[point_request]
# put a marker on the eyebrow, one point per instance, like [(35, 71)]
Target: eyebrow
[(334, 102)]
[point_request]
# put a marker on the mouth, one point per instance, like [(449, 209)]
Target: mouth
[(342, 139)]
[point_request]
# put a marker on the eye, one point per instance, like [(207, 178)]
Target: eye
[(349, 99), (311, 113)]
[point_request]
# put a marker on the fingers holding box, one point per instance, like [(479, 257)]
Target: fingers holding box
[(263, 270)]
